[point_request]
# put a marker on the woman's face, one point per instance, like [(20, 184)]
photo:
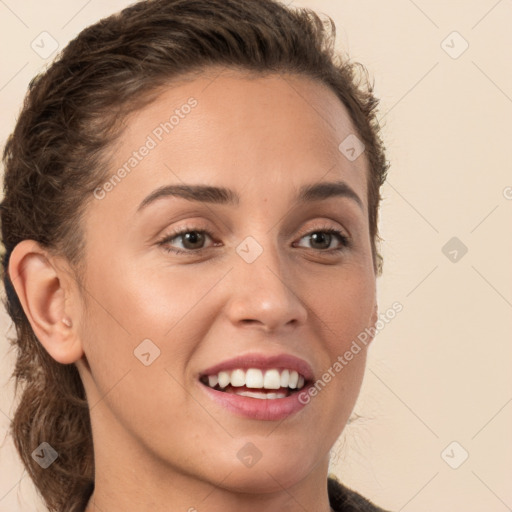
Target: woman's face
[(259, 275)]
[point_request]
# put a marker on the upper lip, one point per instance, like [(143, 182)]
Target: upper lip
[(264, 362)]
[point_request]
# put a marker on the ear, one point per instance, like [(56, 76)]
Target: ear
[(44, 291)]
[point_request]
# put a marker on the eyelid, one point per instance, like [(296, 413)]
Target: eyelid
[(326, 226)]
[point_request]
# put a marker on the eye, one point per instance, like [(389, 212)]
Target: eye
[(322, 238), (192, 240)]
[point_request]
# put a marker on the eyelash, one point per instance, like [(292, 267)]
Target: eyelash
[(344, 239)]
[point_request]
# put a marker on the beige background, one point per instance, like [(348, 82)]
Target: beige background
[(440, 371)]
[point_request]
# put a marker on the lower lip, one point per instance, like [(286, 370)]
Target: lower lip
[(268, 409)]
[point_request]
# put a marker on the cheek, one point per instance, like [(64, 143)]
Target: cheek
[(137, 316), (136, 303), (343, 302), (134, 347), (342, 308)]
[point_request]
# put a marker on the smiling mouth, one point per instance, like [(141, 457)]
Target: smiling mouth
[(256, 383)]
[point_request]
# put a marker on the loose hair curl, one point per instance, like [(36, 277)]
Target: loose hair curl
[(58, 152)]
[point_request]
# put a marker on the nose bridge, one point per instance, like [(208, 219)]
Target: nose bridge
[(263, 291)]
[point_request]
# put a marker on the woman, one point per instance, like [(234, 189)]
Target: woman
[(190, 230)]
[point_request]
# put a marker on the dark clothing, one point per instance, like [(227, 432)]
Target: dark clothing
[(343, 499)]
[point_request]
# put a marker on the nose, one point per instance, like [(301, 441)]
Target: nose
[(264, 293)]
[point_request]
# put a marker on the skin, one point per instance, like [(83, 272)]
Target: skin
[(159, 441)]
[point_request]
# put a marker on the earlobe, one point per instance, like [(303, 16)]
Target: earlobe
[(43, 295)]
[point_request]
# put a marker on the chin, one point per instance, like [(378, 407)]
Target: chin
[(267, 475), (262, 481)]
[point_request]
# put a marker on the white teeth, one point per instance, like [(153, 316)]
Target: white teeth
[(260, 395), (272, 380), (254, 378), (238, 378), (257, 379), (224, 379), (251, 394)]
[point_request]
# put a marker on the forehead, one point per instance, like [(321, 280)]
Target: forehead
[(229, 128)]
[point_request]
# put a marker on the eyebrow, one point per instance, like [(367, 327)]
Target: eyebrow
[(226, 196)]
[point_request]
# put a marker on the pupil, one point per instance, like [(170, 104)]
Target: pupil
[(192, 237), (315, 237)]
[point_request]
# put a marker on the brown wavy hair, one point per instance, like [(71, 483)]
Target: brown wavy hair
[(57, 156)]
